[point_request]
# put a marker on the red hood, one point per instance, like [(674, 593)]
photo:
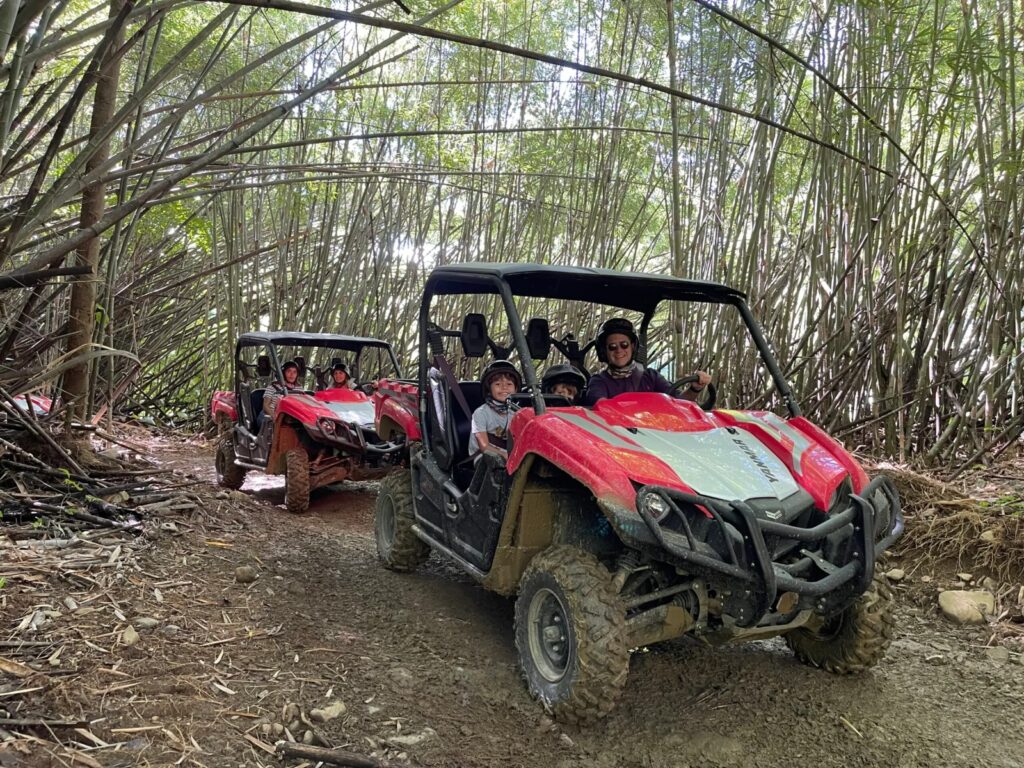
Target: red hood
[(648, 438), (348, 405)]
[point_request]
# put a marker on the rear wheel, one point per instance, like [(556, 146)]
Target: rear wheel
[(851, 641), (570, 629), (398, 547), (229, 474), (296, 481)]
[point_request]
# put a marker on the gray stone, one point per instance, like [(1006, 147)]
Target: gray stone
[(566, 741), (245, 574), (129, 637), (998, 653), (987, 536), (332, 711), (967, 607), (412, 739), (968, 577), (145, 622), (896, 574), (307, 737)]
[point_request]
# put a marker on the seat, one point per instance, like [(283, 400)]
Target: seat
[(461, 427), (460, 422), (256, 406)]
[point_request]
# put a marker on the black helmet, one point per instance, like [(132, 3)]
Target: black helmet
[(610, 327), (563, 373), (340, 367), (493, 369), (290, 364)]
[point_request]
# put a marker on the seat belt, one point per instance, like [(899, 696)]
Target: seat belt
[(453, 385)]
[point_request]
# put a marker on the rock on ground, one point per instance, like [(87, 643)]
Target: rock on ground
[(967, 607)]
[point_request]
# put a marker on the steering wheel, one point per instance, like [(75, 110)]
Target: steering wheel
[(686, 381)]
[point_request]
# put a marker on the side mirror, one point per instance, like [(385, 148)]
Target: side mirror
[(538, 338), (474, 335), (263, 365)]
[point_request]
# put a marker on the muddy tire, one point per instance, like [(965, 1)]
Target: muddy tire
[(398, 547), (570, 630), (296, 481), (229, 474), (854, 640)]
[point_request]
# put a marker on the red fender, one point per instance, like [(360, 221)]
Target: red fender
[(223, 404), (395, 408)]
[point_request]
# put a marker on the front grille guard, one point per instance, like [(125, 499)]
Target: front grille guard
[(875, 515)]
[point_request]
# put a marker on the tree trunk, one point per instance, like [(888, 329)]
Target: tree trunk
[(82, 311)]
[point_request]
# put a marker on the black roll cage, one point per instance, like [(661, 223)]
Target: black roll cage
[(634, 291), (271, 341)]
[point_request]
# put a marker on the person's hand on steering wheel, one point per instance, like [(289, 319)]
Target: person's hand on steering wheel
[(696, 383), (703, 379)]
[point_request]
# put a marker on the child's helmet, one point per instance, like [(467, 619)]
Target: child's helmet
[(495, 368), (563, 373)]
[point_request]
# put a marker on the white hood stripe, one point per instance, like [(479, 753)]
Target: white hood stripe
[(717, 463)]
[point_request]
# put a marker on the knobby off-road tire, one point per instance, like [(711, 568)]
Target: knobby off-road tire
[(229, 474), (397, 546), (854, 640), (570, 630), (296, 481)]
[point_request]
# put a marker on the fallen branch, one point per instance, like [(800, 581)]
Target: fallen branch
[(335, 756), (29, 722)]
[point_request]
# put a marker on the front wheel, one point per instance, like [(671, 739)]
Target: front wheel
[(853, 640), (296, 481), (229, 474), (570, 630), (398, 547)]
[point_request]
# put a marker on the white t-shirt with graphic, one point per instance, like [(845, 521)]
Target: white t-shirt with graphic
[(486, 419)]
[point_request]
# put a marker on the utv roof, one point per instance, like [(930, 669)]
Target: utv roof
[(299, 339), (630, 290)]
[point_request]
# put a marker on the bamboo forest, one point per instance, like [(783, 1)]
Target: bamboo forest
[(569, 383)]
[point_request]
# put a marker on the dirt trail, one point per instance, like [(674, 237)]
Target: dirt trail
[(426, 667)]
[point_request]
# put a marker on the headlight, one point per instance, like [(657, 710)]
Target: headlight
[(327, 426), (654, 505)]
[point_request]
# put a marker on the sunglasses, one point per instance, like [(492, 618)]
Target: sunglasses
[(619, 345)]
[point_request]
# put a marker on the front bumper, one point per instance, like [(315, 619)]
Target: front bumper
[(827, 564), (355, 439)]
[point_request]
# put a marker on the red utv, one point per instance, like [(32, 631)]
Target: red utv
[(319, 435), (641, 519)]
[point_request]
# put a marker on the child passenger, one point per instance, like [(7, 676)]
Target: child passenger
[(563, 380), (490, 421)]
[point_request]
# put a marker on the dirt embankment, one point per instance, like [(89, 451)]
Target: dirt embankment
[(223, 663)]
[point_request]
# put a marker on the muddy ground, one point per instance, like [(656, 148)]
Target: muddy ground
[(426, 668)]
